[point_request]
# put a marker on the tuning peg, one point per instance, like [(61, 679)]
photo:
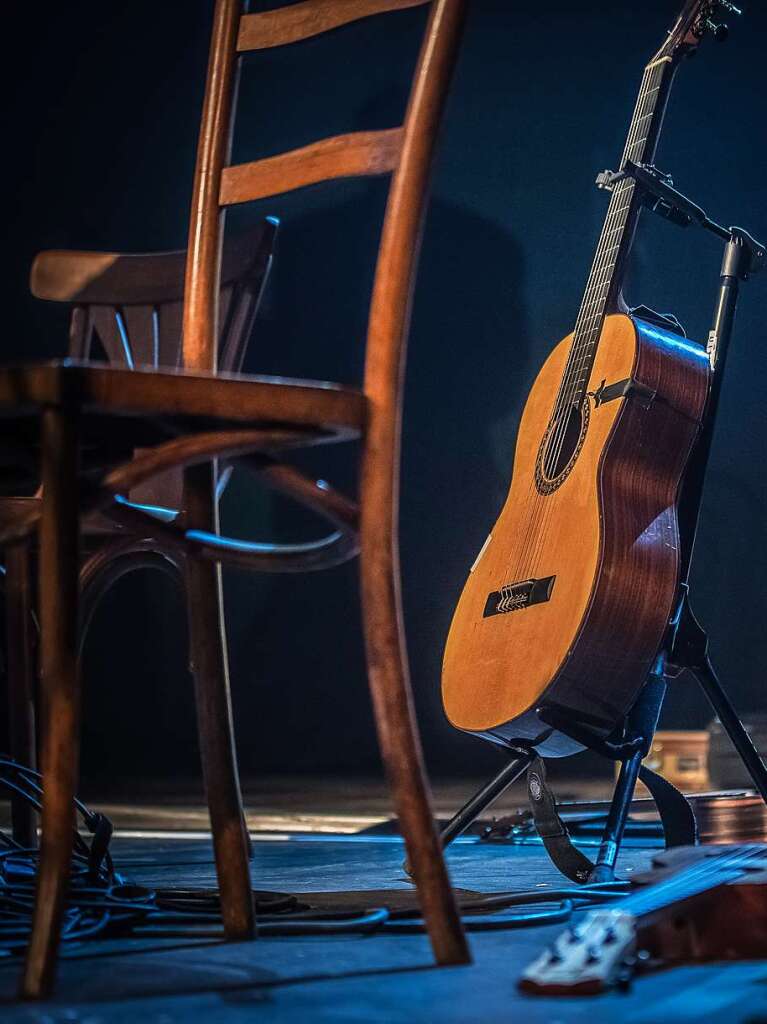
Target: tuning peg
[(719, 32), (730, 8)]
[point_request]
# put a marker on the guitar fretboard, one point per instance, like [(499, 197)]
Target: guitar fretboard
[(617, 232)]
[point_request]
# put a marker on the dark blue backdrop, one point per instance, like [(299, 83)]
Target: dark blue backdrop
[(102, 105)]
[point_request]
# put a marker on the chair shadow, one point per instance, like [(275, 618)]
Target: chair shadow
[(466, 373)]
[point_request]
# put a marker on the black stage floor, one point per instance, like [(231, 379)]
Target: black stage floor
[(379, 978)]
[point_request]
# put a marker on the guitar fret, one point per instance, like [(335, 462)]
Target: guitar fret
[(612, 239)]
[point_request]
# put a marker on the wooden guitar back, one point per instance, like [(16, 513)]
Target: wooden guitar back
[(605, 538)]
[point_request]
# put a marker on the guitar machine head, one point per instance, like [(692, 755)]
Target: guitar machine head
[(698, 18), (592, 956)]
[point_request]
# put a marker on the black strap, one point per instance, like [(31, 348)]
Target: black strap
[(676, 815), (550, 827), (677, 818)]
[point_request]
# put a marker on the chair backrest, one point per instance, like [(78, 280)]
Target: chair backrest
[(132, 305), (405, 151)]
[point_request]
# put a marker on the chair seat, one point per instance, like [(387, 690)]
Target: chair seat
[(177, 395)]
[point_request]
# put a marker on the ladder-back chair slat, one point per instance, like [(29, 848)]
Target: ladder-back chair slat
[(263, 30), (342, 156)]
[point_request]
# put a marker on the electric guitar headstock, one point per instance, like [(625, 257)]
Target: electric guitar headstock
[(698, 19), (594, 955)]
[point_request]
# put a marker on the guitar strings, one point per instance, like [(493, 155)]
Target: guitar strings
[(534, 534), (583, 351), (576, 371), (586, 341), (551, 456), (688, 882), (644, 902), (597, 279)]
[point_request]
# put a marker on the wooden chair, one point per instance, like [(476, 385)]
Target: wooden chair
[(128, 306), (254, 419)]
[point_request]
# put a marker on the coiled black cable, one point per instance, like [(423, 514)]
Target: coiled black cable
[(102, 903)]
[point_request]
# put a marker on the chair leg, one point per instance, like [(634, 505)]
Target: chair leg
[(21, 681), (214, 714), (399, 739), (60, 692)]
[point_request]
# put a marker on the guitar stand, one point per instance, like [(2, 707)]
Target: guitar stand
[(685, 646)]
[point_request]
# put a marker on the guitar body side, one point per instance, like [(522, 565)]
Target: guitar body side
[(607, 534)]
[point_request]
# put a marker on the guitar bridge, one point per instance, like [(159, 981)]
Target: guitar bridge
[(513, 597)]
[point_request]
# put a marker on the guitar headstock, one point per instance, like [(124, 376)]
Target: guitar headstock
[(587, 958), (698, 19)]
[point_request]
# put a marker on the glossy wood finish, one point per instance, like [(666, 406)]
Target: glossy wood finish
[(210, 669), (380, 462), (609, 534), (59, 565), (189, 418), (640, 479), (265, 29), (342, 156), (203, 267), (177, 397), (380, 569), (131, 305)]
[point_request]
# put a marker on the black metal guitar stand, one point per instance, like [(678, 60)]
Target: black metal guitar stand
[(686, 644)]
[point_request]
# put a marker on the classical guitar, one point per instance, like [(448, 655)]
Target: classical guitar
[(698, 904), (568, 601)]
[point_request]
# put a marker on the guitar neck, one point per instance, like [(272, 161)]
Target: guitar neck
[(608, 267), (698, 878)]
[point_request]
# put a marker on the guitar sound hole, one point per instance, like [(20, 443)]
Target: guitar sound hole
[(561, 446), (563, 440)]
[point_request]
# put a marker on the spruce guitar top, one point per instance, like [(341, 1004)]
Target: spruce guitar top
[(569, 599), (700, 903)]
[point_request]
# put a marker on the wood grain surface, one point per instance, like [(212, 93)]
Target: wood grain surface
[(261, 30), (342, 156), (608, 534)]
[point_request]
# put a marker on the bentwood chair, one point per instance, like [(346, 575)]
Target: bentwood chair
[(127, 308), (197, 416)]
